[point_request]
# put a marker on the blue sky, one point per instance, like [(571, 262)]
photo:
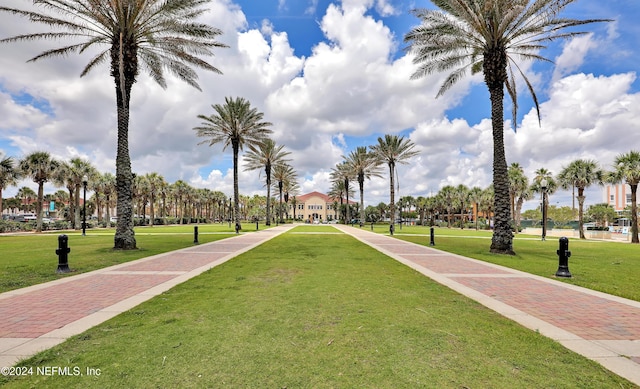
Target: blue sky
[(331, 76)]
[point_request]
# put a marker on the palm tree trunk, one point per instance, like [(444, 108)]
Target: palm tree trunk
[(361, 183), (268, 173), (495, 76), (392, 194), (581, 212), (634, 214), (236, 191)]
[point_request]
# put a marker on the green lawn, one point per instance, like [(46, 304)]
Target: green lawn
[(31, 259), (314, 311), (610, 267)]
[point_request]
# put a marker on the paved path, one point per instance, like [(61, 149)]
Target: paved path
[(41, 316), (601, 327)]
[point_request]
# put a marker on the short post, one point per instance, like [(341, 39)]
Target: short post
[(195, 234), (432, 242), (63, 254), (237, 228), (563, 258), (256, 225), (391, 229), (371, 226)]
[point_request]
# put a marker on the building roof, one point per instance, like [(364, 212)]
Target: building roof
[(324, 197)]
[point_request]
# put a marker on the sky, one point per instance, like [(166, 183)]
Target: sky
[(332, 76)]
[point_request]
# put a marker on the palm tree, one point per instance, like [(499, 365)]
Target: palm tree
[(475, 196), (265, 155), (627, 169), (160, 34), (74, 174), (26, 195), (40, 167), (9, 175), (544, 184), (285, 178), (487, 36), (364, 166), (343, 173), (234, 124), (392, 150), (518, 191), (462, 200), (448, 196), (156, 185), (581, 174)]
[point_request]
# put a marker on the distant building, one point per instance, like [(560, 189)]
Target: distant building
[(618, 196), (315, 206)]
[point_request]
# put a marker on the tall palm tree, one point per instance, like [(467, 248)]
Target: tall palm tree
[(475, 196), (285, 178), (448, 194), (343, 172), (9, 175), (156, 185), (393, 150), (74, 173), (581, 174), (487, 36), (159, 34), (40, 167), (626, 168), (265, 155), (234, 124), (364, 165)]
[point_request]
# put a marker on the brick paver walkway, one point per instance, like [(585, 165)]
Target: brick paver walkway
[(41, 316), (599, 326), (602, 327)]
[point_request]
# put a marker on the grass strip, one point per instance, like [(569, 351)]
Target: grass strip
[(314, 311), (31, 259)]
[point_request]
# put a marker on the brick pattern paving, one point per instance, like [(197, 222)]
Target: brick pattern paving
[(587, 316), (181, 261), (36, 313)]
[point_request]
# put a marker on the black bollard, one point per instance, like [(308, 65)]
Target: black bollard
[(195, 234), (391, 229), (371, 226), (256, 225), (563, 258), (62, 252), (237, 228), (432, 243)]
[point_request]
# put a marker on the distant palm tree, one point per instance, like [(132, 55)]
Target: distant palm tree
[(156, 185), (626, 168), (9, 175), (487, 36), (475, 196), (518, 191), (285, 178), (74, 173), (265, 155), (26, 195), (393, 150), (343, 172), (364, 165), (448, 195), (159, 34), (581, 174), (40, 167), (234, 124)]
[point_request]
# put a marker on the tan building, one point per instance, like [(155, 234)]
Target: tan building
[(315, 207), (618, 196)]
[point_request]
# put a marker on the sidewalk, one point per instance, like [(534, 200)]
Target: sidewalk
[(41, 316), (599, 326)]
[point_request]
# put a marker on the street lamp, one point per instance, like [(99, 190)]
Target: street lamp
[(544, 186), (84, 205)]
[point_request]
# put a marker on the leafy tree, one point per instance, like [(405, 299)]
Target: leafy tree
[(158, 34), (602, 214), (581, 174), (487, 36), (234, 123), (561, 216)]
